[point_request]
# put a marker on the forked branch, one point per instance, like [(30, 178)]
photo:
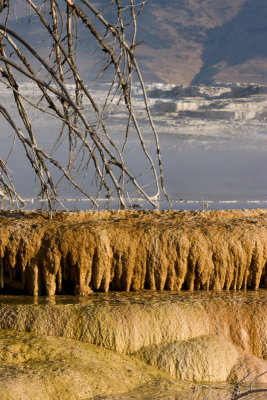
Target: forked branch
[(81, 117)]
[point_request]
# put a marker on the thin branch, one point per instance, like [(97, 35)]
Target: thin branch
[(63, 95)]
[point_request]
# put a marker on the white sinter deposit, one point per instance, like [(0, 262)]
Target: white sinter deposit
[(229, 112)]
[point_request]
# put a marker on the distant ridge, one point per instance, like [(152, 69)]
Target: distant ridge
[(196, 41)]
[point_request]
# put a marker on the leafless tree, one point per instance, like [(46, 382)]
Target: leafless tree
[(62, 94)]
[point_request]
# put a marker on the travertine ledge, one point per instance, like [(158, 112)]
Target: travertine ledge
[(77, 252)]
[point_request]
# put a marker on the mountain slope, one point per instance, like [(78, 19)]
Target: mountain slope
[(204, 41), (194, 41)]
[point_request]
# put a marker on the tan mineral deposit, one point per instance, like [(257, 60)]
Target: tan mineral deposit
[(164, 301)]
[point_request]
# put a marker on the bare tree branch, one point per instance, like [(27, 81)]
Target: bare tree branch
[(62, 95)]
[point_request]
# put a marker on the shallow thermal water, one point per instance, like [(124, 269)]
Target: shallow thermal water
[(145, 297), (195, 392), (195, 179)]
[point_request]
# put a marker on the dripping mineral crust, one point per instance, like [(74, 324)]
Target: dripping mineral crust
[(79, 252)]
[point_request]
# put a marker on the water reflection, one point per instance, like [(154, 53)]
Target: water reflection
[(193, 392), (144, 297)]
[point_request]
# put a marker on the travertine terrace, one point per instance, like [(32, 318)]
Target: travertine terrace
[(50, 368), (80, 252), (200, 336)]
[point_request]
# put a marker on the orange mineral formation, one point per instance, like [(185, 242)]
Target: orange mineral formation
[(80, 252)]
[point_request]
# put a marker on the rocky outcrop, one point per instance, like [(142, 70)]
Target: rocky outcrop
[(81, 252)]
